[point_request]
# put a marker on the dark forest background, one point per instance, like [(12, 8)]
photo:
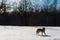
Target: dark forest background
[(23, 17)]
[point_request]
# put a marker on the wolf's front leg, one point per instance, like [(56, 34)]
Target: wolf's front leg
[(44, 33)]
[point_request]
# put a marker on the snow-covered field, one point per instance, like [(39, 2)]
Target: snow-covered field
[(28, 33)]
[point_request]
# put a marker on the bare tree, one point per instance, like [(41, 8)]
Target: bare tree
[(4, 5), (25, 5), (52, 7)]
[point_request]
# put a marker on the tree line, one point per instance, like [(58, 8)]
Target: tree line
[(29, 16)]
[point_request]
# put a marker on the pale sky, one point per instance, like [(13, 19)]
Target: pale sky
[(34, 2)]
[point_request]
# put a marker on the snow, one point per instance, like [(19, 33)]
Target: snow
[(28, 33)]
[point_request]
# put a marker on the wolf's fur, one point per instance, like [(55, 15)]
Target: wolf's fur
[(40, 30)]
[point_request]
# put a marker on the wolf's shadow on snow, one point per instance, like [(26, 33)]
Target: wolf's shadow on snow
[(44, 35)]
